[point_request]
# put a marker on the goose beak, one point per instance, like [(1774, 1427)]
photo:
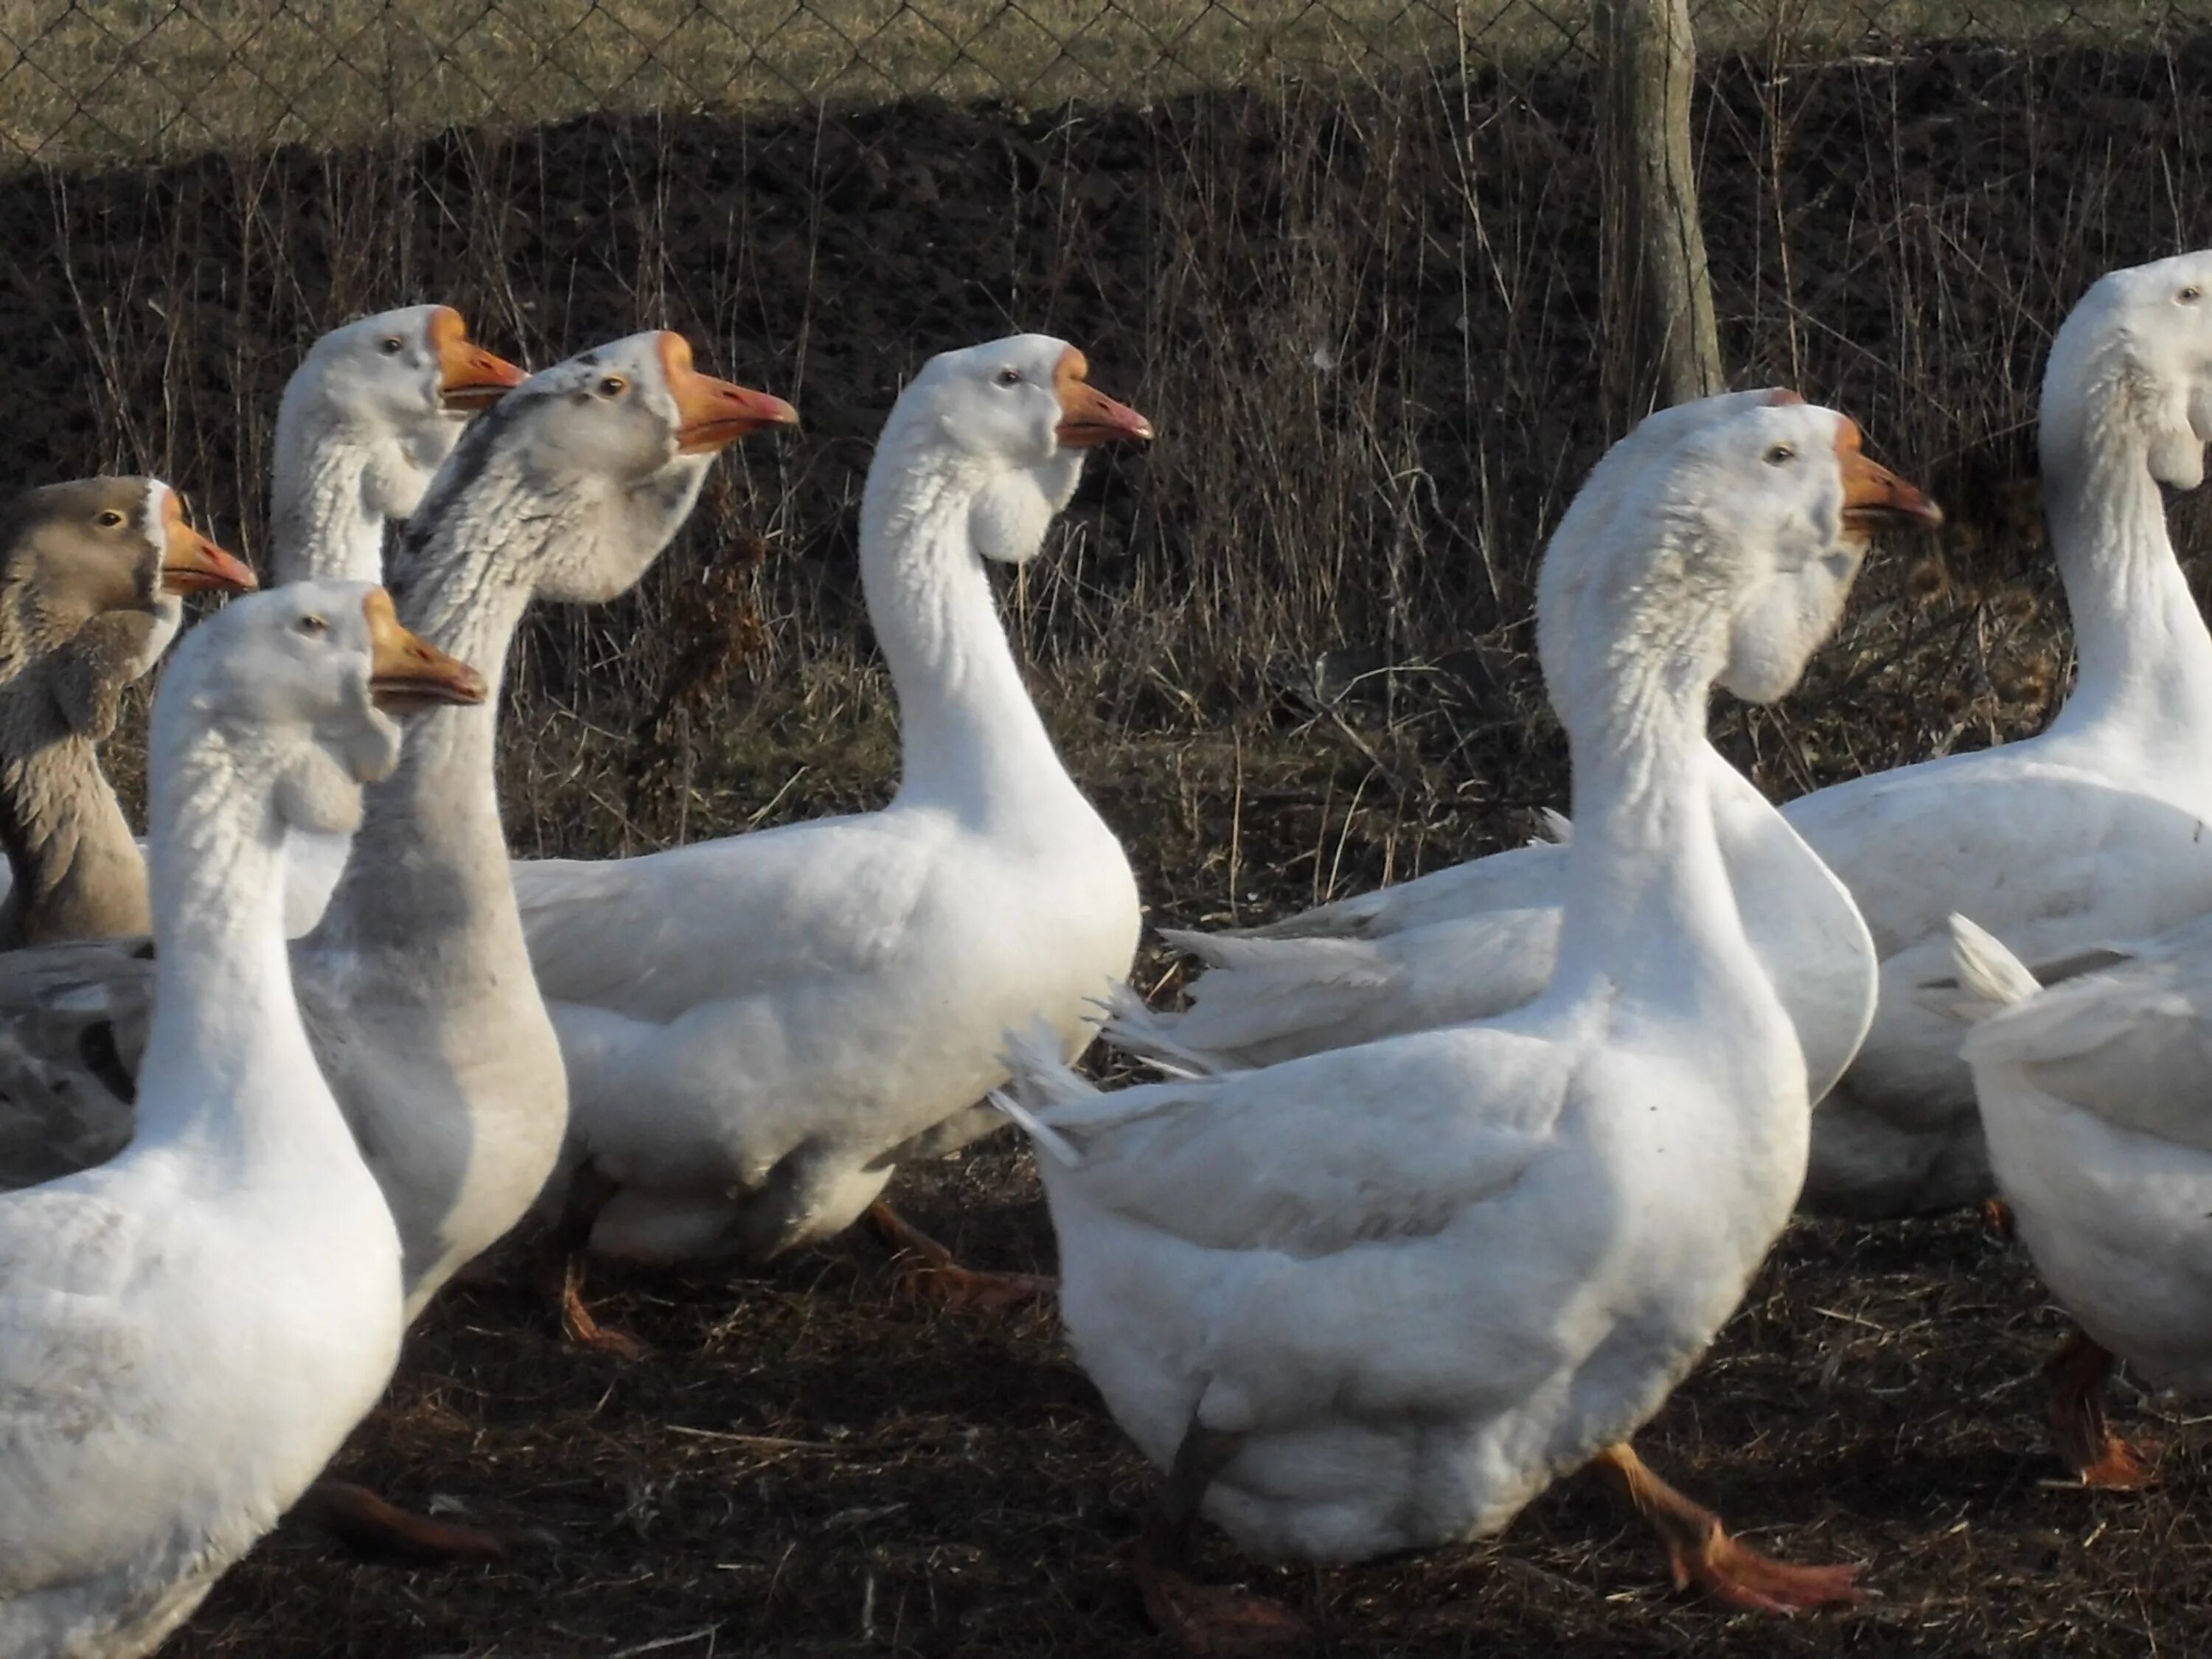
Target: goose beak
[(1874, 497), (1088, 417), (191, 563), (470, 378), (406, 673), (711, 415)]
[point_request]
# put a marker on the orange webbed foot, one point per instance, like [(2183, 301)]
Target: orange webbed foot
[(927, 1270), (1702, 1556), (372, 1527), (2085, 1443), (1737, 1576), (581, 1327)]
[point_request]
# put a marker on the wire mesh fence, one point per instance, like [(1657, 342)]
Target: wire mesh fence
[(1346, 253), (125, 79)]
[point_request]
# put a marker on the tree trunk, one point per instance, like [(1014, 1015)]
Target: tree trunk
[(1661, 344)]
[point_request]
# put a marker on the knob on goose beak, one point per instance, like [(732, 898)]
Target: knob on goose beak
[(191, 563), (470, 378), (406, 672), (1088, 417), (710, 414), (1874, 496)]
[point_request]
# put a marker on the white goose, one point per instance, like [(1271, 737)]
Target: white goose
[(1379, 1297), (756, 1027), (188, 1332), (1479, 939), (417, 981), (368, 418), (2093, 831), (2092, 1097)]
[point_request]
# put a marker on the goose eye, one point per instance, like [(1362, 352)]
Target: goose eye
[(1781, 455), (2190, 295), (612, 386), (109, 519), (392, 345), (1008, 377), (312, 626)]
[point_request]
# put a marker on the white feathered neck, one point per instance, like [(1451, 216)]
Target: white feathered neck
[(1631, 630), (339, 477), (970, 739), (227, 1050), (2110, 431), (493, 532)]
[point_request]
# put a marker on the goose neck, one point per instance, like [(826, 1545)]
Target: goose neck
[(1648, 894), (430, 856), (226, 1049), (2145, 660), (323, 524), (61, 826), (970, 738)]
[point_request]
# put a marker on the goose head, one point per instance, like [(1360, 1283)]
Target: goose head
[(1805, 534), (1014, 419), (2133, 363), (1590, 514), (613, 444), (309, 677), (70, 552), (401, 385), (1730, 553)]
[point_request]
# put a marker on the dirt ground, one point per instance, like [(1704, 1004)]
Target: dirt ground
[(809, 1463)]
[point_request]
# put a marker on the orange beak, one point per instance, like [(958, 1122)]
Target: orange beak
[(1088, 417), (407, 673), (1874, 496), (191, 563), (470, 378), (711, 415)]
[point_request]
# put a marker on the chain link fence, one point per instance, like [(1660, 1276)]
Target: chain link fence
[(1348, 254), (110, 80)]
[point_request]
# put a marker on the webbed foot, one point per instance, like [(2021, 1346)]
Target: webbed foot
[(1701, 1554), (927, 1270), (2086, 1445)]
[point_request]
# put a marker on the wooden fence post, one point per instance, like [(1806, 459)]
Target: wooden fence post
[(1659, 341)]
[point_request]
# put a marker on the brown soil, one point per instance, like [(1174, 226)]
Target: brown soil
[(810, 1465)]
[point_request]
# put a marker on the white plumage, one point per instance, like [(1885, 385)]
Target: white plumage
[(1411, 1281), (755, 1027)]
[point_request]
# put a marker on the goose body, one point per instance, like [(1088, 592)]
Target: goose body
[(2094, 831), (189, 1330), (1398, 1288), (2094, 1097), (754, 1028)]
